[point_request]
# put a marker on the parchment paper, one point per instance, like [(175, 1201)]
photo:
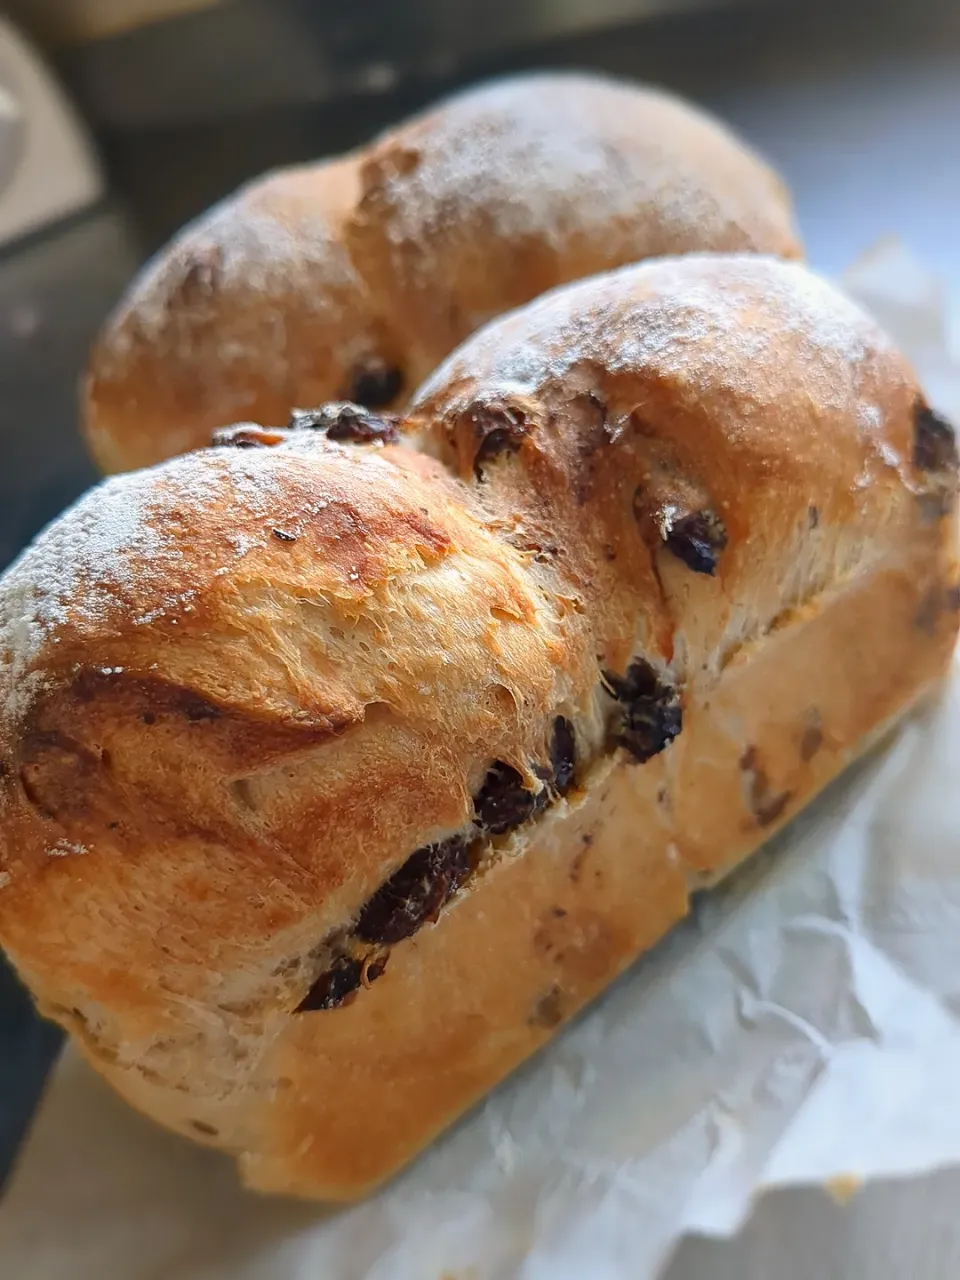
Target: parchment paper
[(802, 1027)]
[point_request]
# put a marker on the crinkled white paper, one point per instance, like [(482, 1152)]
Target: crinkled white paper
[(803, 1026)]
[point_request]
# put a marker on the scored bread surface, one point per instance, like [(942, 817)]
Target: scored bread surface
[(647, 563), (352, 278)]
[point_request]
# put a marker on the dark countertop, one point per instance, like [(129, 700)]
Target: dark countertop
[(856, 101), (860, 114), (53, 292)]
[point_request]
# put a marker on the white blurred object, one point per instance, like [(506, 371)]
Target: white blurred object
[(48, 169), (908, 299)]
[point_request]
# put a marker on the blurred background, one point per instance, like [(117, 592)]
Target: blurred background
[(120, 119)]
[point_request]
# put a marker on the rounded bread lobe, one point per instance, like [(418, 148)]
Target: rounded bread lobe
[(351, 278), (520, 185), (255, 308), (340, 765), (185, 632), (733, 433)]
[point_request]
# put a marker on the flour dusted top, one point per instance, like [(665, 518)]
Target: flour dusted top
[(748, 378), (228, 303), (546, 153), (351, 278), (701, 321), (123, 556), (272, 238), (567, 165), (125, 580)]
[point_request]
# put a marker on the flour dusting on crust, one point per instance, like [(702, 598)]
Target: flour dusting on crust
[(696, 321), (559, 158), (236, 289), (85, 572)]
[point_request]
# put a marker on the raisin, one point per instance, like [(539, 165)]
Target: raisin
[(503, 802), (375, 383), (345, 421), (248, 435), (414, 894), (334, 986), (697, 539), (934, 443), (496, 431), (813, 517), (651, 715), (563, 754)]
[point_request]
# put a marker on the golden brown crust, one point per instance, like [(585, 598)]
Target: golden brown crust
[(352, 278), (692, 517), (253, 308), (516, 187)]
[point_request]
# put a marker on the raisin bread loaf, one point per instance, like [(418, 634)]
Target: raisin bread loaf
[(339, 766)]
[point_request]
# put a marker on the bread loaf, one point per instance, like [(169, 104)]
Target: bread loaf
[(353, 278), (340, 766)]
